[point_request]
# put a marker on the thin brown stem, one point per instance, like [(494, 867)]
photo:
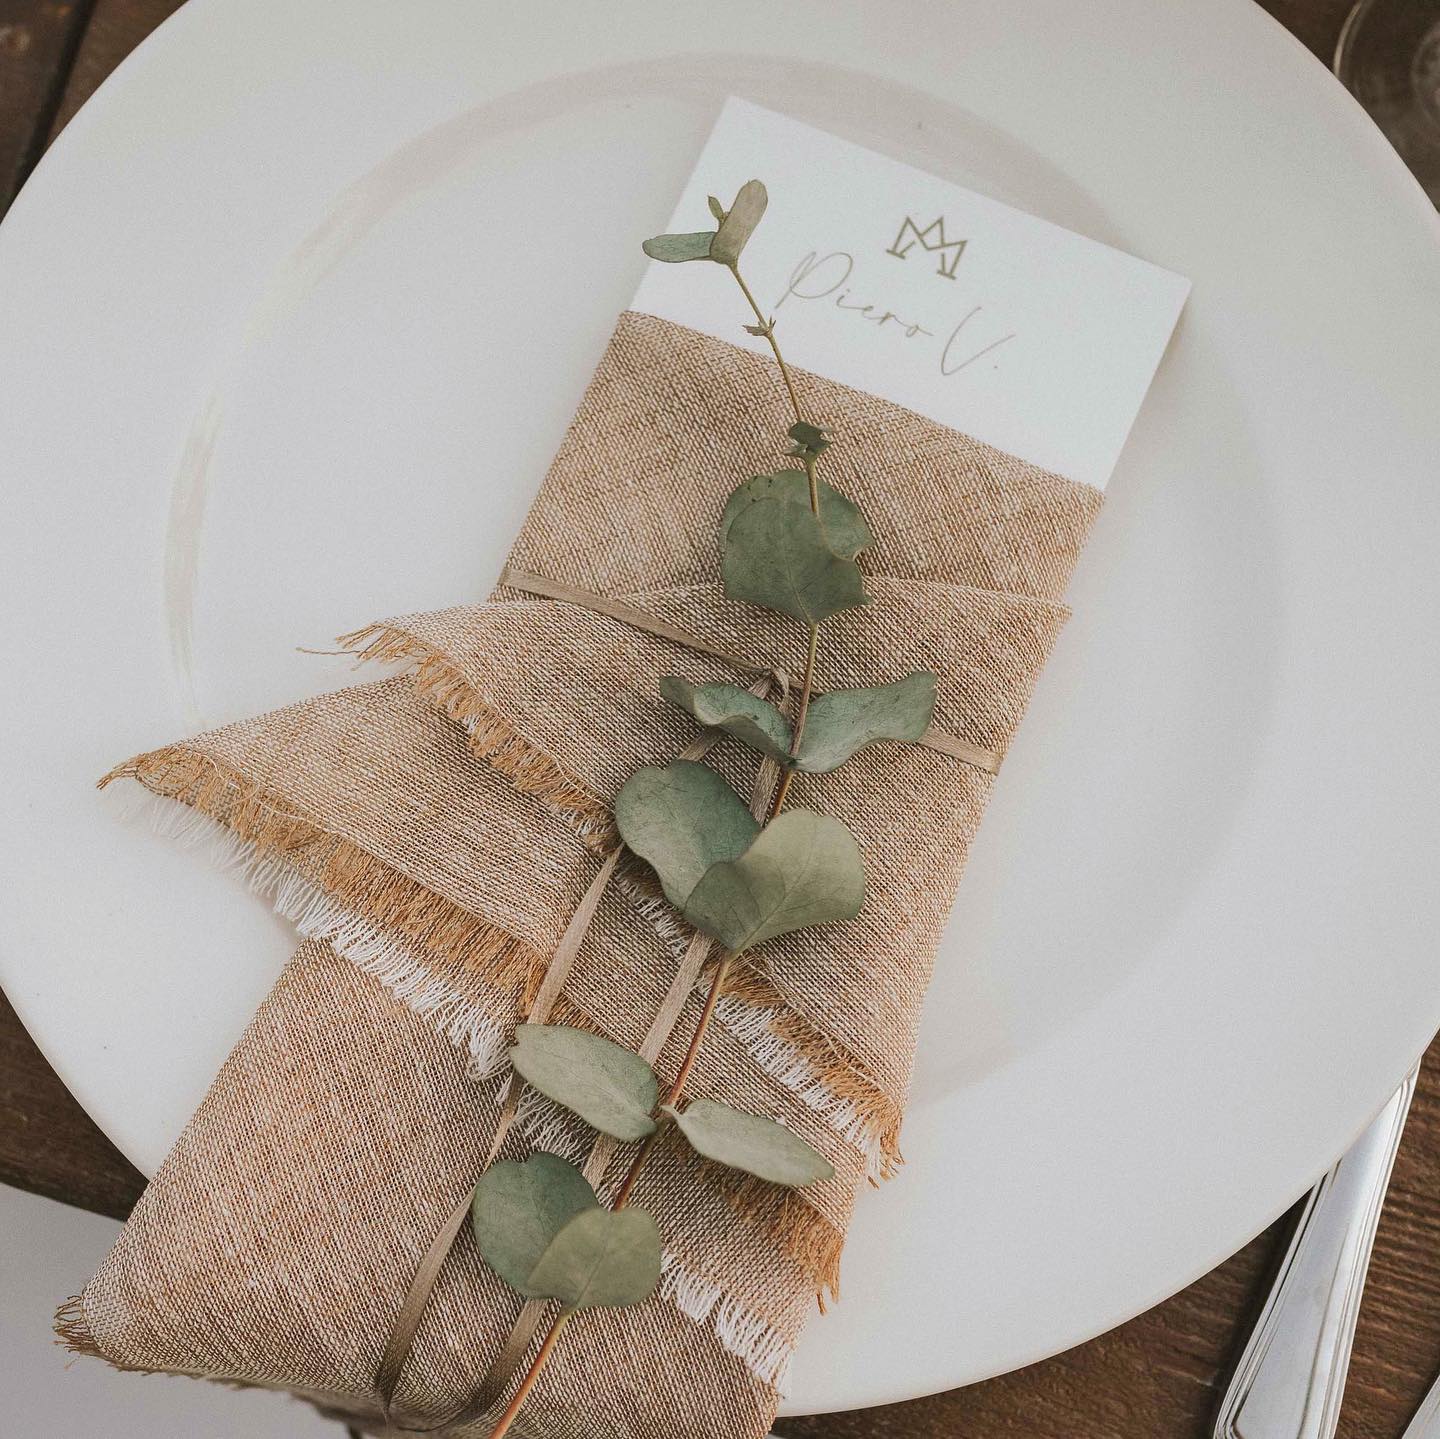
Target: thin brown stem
[(637, 1167), (807, 686), (682, 1076), (717, 985), (547, 1347), (814, 485), (782, 791), (768, 327)]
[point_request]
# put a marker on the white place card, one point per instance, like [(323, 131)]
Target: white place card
[(991, 321)]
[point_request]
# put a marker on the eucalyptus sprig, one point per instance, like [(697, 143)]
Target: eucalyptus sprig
[(788, 543)]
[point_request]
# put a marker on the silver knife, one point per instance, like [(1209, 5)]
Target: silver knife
[(1291, 1377)]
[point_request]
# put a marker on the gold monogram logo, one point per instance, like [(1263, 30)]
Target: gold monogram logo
[(932, 238)]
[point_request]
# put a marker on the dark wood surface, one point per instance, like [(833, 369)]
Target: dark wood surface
[(1158, 1377), (37, 50)]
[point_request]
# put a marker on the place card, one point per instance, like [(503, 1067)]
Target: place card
[(987, 319)]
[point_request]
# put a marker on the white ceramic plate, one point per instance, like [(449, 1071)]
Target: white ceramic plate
[(291, 319)]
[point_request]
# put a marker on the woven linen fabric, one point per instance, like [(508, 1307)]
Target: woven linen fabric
[(431, 834), (272, 1245)]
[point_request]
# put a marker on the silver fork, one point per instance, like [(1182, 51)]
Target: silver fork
[(1291, 1377)]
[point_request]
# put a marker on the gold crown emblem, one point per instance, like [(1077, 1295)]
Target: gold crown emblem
[(931, 238)]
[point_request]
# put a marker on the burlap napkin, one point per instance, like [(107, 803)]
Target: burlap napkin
[(431, 835)]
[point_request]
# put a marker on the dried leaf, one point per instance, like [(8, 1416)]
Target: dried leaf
[(519, 1208), (809, 439), (682, 818), (803, 869), (750, 719), (761, 331), (716, 208), (739, 223), (675, 249), (776, 555), (843, 721), (747, 1141), (600, 1259), (609, 1087), (845, 529)]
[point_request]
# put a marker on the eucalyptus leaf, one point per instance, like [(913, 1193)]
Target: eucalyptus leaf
[(682, 818), (739, 223), (776, 555), (675, 249), (803, 869), (843, 721), (519, 1208), (809, 439), (845, 529), (601, 1258), (747, 1141), (609, 1087), (750, 719)]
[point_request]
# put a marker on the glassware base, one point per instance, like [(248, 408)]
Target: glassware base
[(1388, 57)]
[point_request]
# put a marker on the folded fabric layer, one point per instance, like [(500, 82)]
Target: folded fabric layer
[(272, 1246), (366, 821), (438, 830), (412, 918)]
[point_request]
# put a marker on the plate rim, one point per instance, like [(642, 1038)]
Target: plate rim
[(50, 174)]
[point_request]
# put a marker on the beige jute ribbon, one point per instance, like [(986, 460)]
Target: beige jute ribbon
[(936, 739), (417, 1298)]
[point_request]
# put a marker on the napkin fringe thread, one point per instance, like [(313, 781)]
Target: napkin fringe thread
[(356, 882), (757, 1344), (371, 914), (72, 1328), (864, 1116), (412, 978), (492, 737)]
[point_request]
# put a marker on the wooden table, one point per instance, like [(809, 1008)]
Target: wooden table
[(1158, 1377)]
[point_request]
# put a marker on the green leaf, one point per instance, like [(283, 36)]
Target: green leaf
[(845, 529), (810, 440), (716, 208), (519, 1208), (843, 721), (739, 223), (540, 1227), (601, 1258), (776, 555), (674, 249), (803, 868), (750, 719), (746, 1141), (682, 818), (607, 1086)]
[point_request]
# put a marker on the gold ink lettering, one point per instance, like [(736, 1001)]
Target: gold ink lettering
[(949, 364), (804, 274)]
